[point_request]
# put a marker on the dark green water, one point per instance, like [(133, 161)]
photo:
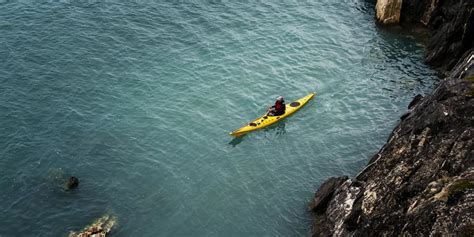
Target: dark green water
[(137, 99)]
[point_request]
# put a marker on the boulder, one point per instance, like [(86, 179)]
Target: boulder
[(72, 183), (325, 192), (388, 11)]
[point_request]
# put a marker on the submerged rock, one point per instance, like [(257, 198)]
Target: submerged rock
[(100, 228), (421, 182), (72, 183)]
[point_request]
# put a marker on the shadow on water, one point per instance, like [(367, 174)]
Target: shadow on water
[(237, 140), (278, 128)]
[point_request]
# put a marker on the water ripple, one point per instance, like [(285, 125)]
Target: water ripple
[(137, 100)]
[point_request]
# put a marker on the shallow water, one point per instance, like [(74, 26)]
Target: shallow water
[(137, 99)]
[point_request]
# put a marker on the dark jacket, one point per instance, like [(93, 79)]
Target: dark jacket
[(278, 109)]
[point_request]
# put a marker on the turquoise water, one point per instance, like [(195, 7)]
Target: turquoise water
[(137, 99)]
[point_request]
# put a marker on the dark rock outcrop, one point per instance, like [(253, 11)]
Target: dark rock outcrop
[(325, 193), (417, 11), (415, 101), (422, 180), (452, 27), (451, 24)]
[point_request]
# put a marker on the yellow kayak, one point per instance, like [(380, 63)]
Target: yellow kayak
[(266, 120)]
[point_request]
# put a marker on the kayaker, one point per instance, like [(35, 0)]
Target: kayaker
[(279, 107)]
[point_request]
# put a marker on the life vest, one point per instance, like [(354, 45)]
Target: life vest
[(278, 106)]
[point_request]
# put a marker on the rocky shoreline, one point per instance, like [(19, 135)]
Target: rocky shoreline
[(421, 182)]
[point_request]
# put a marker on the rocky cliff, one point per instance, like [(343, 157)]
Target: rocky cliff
[(451, 23), (422, 180)]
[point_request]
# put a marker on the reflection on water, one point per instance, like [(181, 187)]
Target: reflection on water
[(278, 128), (237, 140)]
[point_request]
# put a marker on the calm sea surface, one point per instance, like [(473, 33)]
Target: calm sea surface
[(137, 99)]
